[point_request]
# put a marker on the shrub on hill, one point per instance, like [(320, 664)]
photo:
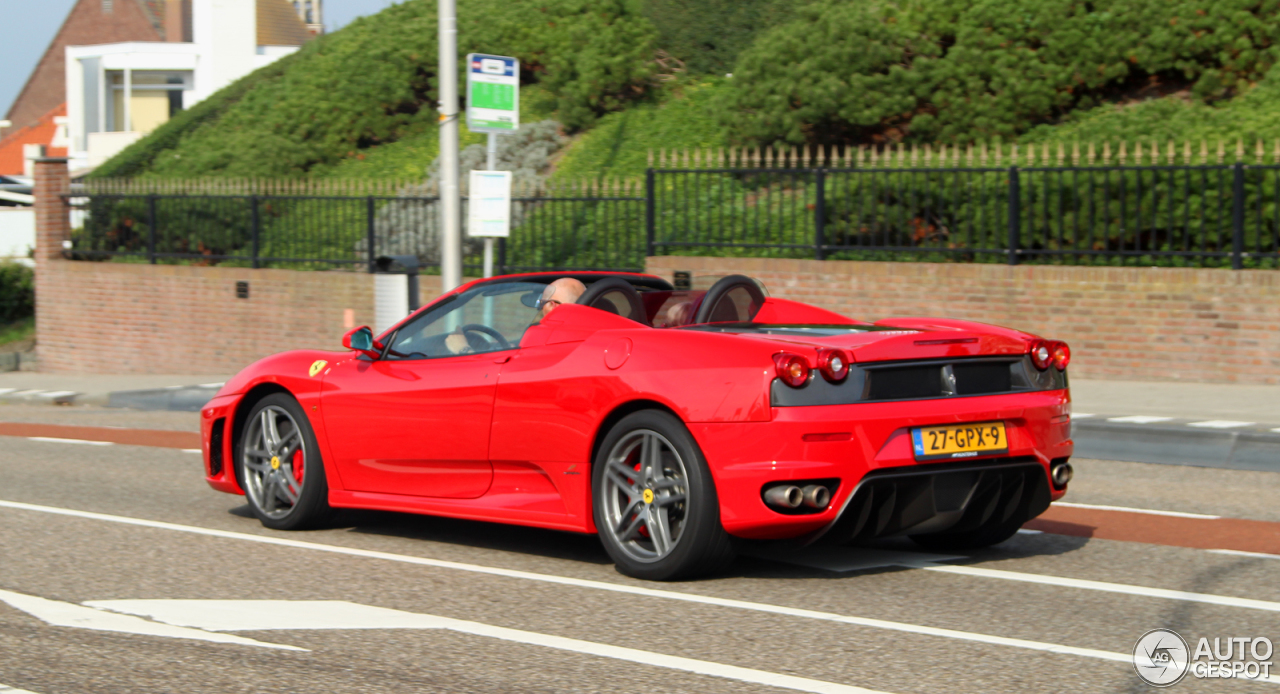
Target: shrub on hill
[(957, 71), (374, 83), (708, 35)]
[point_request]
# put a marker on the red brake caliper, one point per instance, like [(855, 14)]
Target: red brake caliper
[(298, 465), (644, 529)]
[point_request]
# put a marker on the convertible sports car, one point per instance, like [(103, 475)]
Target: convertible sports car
[(672, 423)]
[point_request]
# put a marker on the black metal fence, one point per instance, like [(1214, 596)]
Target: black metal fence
[(1177, 215), (1202, 216)]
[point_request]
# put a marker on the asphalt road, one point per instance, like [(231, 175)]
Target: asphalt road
[(394, 603)]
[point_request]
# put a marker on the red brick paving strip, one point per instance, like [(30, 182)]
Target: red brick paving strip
[(1198, 533), (129, 437)]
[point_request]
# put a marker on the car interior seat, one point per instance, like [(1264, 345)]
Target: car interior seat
[(732, 299), (615, 295)]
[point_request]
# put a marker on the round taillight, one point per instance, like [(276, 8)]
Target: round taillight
[(793, 369), (833, 364), (1060, 354), (1041, 355)]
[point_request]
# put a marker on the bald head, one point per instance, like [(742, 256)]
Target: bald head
[(565, 290)]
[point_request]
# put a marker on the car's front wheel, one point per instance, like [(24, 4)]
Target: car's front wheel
[(655, 502), (280, 467)]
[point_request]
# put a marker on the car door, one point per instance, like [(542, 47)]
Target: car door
[(416, 421)]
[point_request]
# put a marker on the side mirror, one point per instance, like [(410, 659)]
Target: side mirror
[(360, 340)]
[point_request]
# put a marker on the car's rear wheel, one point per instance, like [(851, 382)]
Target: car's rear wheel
[(280, 467), (655, 502)]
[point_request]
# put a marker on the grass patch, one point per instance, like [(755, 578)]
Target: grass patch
[(17, 332)]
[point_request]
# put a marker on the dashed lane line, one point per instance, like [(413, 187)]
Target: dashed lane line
[(82, 442), (601, 585), (1239, 553), (1175, 514), (6, 689)]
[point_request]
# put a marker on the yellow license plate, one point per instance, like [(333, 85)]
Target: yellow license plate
[(959, 441)]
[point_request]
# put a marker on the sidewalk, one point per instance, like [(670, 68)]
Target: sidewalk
[(1205, 424)]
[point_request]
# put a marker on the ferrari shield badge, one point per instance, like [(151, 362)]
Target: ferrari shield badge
[(316, 366)]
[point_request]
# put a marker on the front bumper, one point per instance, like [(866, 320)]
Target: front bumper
[(746, 457), (216, 431)]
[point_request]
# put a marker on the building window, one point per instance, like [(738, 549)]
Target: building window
[(154, 98), (108, 6)]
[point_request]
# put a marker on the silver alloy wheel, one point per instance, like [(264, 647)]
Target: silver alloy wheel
[(270, 444), (645, 491)]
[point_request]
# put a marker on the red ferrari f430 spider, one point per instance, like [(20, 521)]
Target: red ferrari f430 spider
[(673, 423)]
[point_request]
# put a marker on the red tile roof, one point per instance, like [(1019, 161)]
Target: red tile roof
[(42, 133)]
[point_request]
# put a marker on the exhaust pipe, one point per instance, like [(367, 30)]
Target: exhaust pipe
[(1062, 474), (816, 496), (784, 496)]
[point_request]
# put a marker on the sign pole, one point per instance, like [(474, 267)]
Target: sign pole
[(450, 203), (491, 165)]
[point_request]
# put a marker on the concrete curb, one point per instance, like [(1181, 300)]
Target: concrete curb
[(1178, 442), (173, 398)]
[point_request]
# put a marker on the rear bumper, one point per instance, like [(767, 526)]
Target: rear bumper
[(745, 457)]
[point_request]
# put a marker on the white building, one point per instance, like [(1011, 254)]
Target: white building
[(118, 92)]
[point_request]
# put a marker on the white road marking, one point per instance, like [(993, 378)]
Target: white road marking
[(1121, 588), (6, 391), (1082, 415), (1242, 553), (1277, 430), (252, 615), (1220, 424), (1139, 419), (26, 392), (595, 585), (6, 689), (49, 439), (1029, 531), (56, 393), (65, 614), (211, 385), (1175, 514), (192, 450)]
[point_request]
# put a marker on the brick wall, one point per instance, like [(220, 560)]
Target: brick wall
[(1152, 324), (125, 318)]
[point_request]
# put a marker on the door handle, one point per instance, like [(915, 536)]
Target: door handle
[(503, 359)]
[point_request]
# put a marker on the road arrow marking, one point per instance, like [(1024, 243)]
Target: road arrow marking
[(65, 614)]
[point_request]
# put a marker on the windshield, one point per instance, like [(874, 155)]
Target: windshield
[(488, 318)]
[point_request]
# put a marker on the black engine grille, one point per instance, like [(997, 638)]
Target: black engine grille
[(957, 497)]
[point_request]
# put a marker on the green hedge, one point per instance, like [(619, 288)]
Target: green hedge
[(17, 292)]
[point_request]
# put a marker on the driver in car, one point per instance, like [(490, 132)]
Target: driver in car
[(565, 290)]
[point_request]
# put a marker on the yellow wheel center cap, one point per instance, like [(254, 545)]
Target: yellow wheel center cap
[(648, 496), (275, 462)]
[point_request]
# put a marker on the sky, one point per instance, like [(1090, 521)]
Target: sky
[(30, 26)]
